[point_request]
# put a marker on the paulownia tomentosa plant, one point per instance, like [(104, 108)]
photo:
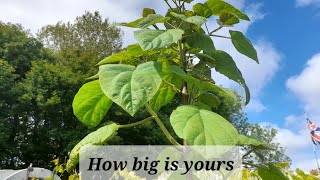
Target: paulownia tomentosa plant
[(165, 69)]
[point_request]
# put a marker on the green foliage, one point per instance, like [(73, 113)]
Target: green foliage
[(219, 6)]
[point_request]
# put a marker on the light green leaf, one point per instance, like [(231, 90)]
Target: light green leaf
[(243, 45), (152, 19), (132, 24), (197, 20), (218, 6), (226, 66), (90, 105), (167, 91), (147, 11), (202, 127), (128, 86), (202, 10), (98, 137), (202, 41), (228, 19), (271, 173), (121, 56), (154, 39)]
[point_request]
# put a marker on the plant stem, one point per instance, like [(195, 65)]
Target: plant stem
[(161, 125), (220, 36), (136, 123), (168, 4), (220, 27)]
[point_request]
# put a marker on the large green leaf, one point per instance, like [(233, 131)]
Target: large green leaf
[(154, 39), (243, 45), (98, 137), (202, 72), (202, 127), (128, 86), (197, 20), (202, 41), (228, 19), (218, 6), (167, 91), (90, 104), (209, 99), (271, 173), (226, 66), (202, 10)]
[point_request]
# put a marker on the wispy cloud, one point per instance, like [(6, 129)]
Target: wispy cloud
[(302, 3)]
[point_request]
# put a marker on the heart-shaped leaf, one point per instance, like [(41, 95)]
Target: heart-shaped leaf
[(154, 39), (128, 86), (202, 127), (228, 19), (90, 104)]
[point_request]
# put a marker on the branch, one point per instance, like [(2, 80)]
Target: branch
[(136, 123), (220, 27), (168, 4), (220, 36), (247, 153), (162, 127)]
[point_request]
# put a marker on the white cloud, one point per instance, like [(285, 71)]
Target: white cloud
[(301, 3), (306, 85)]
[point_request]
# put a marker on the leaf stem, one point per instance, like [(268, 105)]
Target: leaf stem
[(220, 27), (136, 123), (220, 36), (161, 125), (168, 4)]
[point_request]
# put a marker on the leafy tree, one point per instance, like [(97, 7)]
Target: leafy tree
[(82, 44)]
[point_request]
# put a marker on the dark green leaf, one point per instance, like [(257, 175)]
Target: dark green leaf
[(202, 72), (202, 10), (90, 105), (202, 41), (243, 45), (202, 127), (218, 6), (226, 66), (154, 39), (147, 11), (98, 137), (128, 86), (228, 19)]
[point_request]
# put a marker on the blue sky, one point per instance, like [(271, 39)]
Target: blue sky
[(285, 32)]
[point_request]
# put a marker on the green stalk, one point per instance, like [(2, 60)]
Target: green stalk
[(136, 123), (161, 125)]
